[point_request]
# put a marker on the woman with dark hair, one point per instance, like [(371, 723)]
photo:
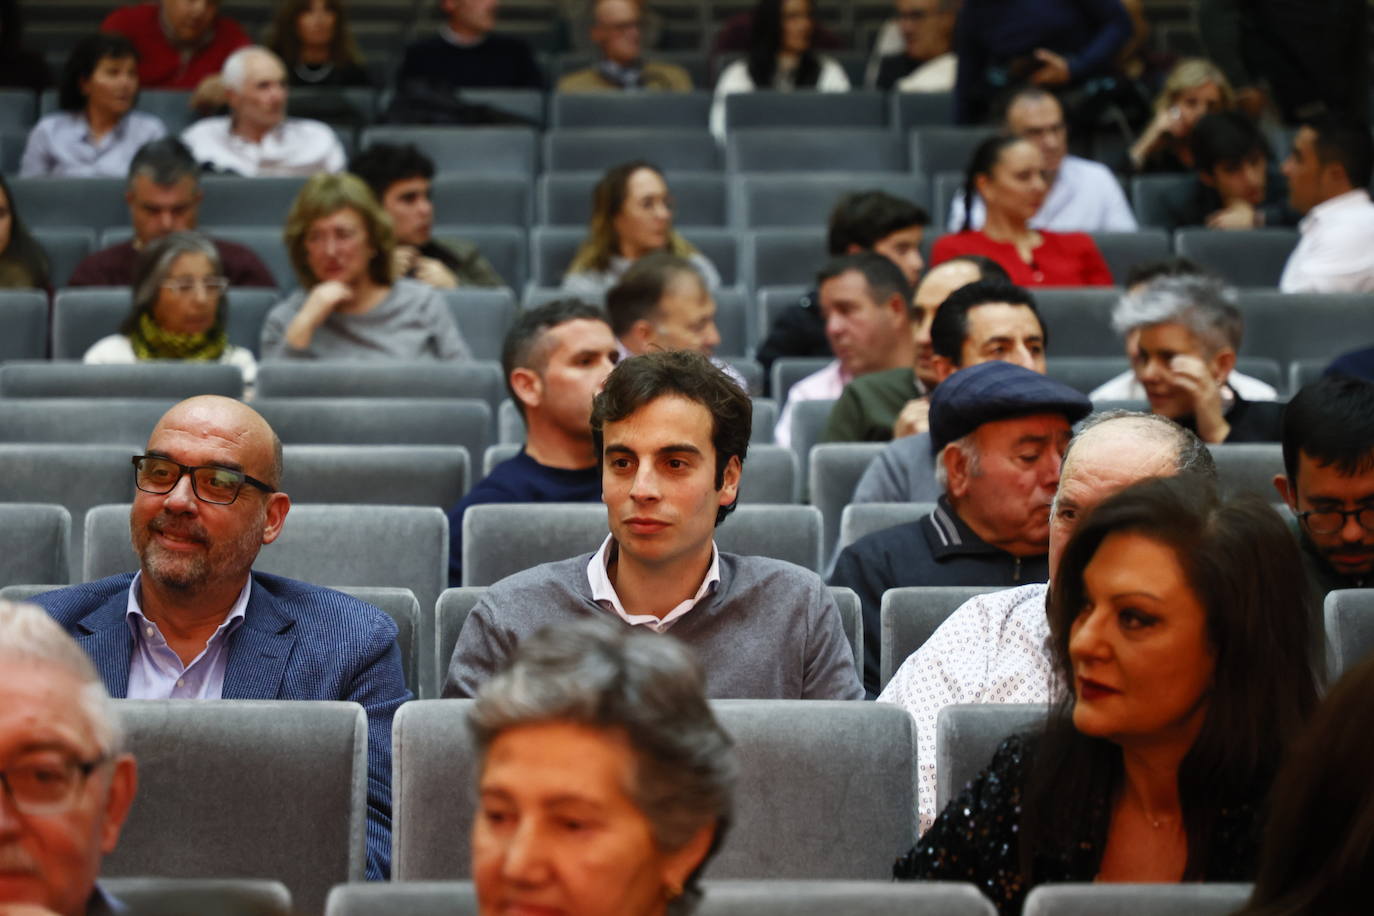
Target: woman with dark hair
[(1008, 174), (313, 40), (1318, 848), (1181, 629), (97, 131), (179, 307), (632, 215), (594, 721), (780, 57), (23, 262)]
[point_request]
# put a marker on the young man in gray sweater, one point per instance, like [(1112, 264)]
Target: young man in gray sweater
[(671, 431)]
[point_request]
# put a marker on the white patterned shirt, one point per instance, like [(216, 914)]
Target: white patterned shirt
[(990, 650), (296, 146)]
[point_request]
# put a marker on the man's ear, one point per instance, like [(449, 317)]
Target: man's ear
[(118, 801), (957, 471), (897, 307), (943, 367), (278, 504), (528, 386), (640, 337), (1287, 492), (1222, 363), (729, 485)]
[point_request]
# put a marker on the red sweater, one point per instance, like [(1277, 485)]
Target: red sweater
[(1063, 258), (160, 65)]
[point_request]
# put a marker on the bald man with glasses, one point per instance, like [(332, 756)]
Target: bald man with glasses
[(195, 621)]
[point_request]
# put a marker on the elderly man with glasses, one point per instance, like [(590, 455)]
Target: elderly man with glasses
[(65, 782), (195, 622)]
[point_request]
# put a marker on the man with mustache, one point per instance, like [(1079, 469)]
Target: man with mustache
[(195, 622)]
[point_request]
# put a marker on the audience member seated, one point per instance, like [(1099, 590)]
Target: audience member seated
[(1235, 188), (97, 132), (23, 262), (1318, 850), (1328, 479), (555, 359), (871, 323), (68, 782), (1328, 174), (313, 40), (1083, 196), (196, 623), (860, 221), (466, 54), (349, 306), (1051, 43), (926, 62), (671, 432), (179, 304), (998, 432), (1187, 333), (632, 215), (164, 196), (591, 717), (1007, 172), (182, 44), (1156, 760), (257, 138), (978, 321), (399, 177), (1194, 88), (994, 647), (618, 33), (21, 67), (781, 57)]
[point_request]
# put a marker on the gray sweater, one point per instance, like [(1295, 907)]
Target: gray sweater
[(903, 472), (413, 322), (769, 631)]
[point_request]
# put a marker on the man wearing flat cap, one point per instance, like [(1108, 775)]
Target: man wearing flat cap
[(998, 433)]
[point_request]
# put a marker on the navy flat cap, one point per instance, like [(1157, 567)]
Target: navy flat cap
[(997, 390)]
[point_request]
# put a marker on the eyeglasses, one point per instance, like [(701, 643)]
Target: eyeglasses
[(47, 782), (211, 484), (186, 285), (1330, 521)]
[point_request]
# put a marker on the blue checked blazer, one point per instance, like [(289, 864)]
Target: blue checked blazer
[(297, 642)]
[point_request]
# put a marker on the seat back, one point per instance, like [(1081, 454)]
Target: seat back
[(1124, 250), (763, 199), (401, 605), (219, 896), (479, 380), (480, 200), (769, 476), (852, 619), (1079, 321), (33, 543), (783, 256), (1253, 258), (487, 150), (944, 149), (815, 149), (1248, 467), (1315, 327), (379, 421), (172, 379), (1085, 373), (291, 776), (1136, 899), (966, 735), (636, 110), (126, 421), (595, 150), (860, 519), (450, 613), (23, 324), (910, 615), (233, 200), (857, 108), (786, 371), (1349, 614), (833, 473), (391, 475)]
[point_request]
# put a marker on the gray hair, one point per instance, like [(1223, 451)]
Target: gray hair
[(969, 447), (156, 260), (235, 69), (28, 634), (1203, 304), (164, 162), (648, 687)]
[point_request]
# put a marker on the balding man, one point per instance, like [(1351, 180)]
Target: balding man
[(67, 782), (195, 622), (993, 649), (257, 138), (618, 33)]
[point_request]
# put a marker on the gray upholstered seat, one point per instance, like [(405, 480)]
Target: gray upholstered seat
[(23, 324), (1123, 250), (216, 896), (765, 414), (393, 475), (594, 149), (401, 605), (552, 249), (54, 201), (1136, 899), (504, 247), (1151, 195), (788, 370), (638, 110), (859, 519), (770, 475), (944, 149), (480, 200), (232, 200), (1248, 467), (352, 379), (33, 542), (126, 421), (799, 150), (450, 613), (852, 619), (910, 615), (174, 379), (271, 788), (66, 247), (833, 474), (1319, 328), (488, 150), (844, 810), (921, 109), (763, 199), (858, 108), (1085, 372), (379, 421), (772, 301), (733, 313), (1252, 258), (1079, 321), (1349, 627), (966, 736), (783, 256), (808, 423)]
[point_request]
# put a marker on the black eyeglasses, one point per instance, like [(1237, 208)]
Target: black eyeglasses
[(1330, 521), (211, 484)]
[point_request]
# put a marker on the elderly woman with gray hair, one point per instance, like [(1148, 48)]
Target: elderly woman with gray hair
[(606, 780), (179, 300)]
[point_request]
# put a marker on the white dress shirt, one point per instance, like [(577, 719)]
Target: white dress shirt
[(825, 384), (296, 146), (1085, 197), (1336, 251), (603, 592)]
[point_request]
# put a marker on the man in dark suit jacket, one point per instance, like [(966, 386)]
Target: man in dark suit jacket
[(195, 622)]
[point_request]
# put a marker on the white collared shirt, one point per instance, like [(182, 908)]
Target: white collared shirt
[(1336, 251), (156, 672), (603, 592), (296, 146)]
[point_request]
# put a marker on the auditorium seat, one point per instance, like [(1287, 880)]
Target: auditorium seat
[(598, 149), (860, 519), (23, 324), (967, 734), (67, 246), (481, 200), (921, 109), (833, 473), (481, 380), (379, 421), (641, 111), (814, 149), (34, 538), (391, 475), (167, 379), (488, 150), (842, 111), (88, 203), (763, 199), (1136, 899), (944, 149), (217, 896), (1248, 467), (401, 605), (786, 371), (1079, 320), (1253, 258), (783, 256), (233, 200), (911, 614), (504, 247), (1307, 326), (1124, 250), (1349, 616)]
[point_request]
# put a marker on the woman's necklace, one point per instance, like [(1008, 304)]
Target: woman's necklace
[(314, 73)]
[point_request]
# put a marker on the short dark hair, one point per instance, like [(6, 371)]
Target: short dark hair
[(383, 164), (1226, 138), (85, 56), (1345, 142), (884, 278), (523, 347), (164, 162), (865, 218), (636, 295), (988, 269), (985, 157), (638, 380), (1175, 266), (950, 326), (1332, 420)]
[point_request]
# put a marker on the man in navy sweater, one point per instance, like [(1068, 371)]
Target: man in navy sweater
[(467, 55), (555, 359)]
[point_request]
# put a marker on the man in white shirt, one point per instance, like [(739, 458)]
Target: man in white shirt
[(1328, 171), (993, 649), (1084, 196), (257, 139)]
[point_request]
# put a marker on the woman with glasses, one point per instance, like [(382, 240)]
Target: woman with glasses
[(179, 301)]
